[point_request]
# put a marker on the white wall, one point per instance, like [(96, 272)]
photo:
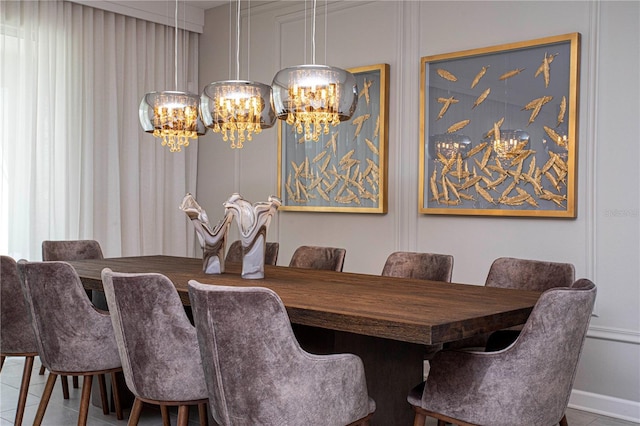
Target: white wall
[(603, 242)]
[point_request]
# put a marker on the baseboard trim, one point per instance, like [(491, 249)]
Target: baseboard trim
[(614, 334), (605, 405)]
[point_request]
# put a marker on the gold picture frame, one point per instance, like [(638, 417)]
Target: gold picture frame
[(499, 130), (346, 170)]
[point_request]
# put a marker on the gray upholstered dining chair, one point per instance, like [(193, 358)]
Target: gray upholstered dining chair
[(315, 257), (528, 274), (16, 335), (527, 383), (522, 274), (256, 371), (270, 256), (68, 250), (158, 345), (424, 266), (74, 338)]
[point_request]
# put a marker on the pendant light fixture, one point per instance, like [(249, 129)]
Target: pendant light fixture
[(312, 97), (237, 109), (172, 115)]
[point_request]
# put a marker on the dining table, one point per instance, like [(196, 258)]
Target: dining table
[(390, 323)]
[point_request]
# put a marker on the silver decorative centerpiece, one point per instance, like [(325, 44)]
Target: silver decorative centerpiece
[(253, 222), (212, 240)]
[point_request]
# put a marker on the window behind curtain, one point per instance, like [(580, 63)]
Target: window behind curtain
[(75, 162)]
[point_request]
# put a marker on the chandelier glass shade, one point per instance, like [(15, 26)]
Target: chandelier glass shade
[(237, 109), (172, 117), (311, 98)]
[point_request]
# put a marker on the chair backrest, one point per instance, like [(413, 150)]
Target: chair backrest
[(69, 250), (270, 257), (424, 266), (158, 345), (72, 335), (528, 382), (256, 371), (16, 333), (314, 257), (525, 274), (548, 349)]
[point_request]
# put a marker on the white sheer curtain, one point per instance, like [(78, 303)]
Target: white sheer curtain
[(75, 162)]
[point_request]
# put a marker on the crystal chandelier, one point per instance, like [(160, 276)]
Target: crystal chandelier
[(311, 98), (172, 115), (237, 109)]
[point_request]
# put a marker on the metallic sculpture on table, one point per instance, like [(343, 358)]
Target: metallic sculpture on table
[(212, 240), (253, 221)]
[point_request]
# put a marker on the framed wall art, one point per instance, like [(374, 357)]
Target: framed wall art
[(346, 169), (498, 130)]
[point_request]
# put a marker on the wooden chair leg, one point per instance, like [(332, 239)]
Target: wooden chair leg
[(136, 410), (116, 396), (75, 382), (65, 387), (103, 394), (183, 415), (24, 389), (85, 400), (419, 419), (202, 414), (42, 370), (44, 401), (164, 410), (563, 421)]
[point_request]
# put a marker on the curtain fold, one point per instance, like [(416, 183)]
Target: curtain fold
[(75, 161)]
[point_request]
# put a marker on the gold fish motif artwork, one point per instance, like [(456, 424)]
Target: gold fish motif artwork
[(478, 76), (446, 75), (458, 126), (481, 98), (377, 128), (510, 74)]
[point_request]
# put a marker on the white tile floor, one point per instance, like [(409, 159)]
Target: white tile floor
[(62, 412)]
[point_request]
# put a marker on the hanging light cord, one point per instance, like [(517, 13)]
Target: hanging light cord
[(175, 71), (313, 35), (238, 40)]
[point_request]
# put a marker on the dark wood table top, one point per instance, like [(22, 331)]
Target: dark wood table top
[(409, 310)]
